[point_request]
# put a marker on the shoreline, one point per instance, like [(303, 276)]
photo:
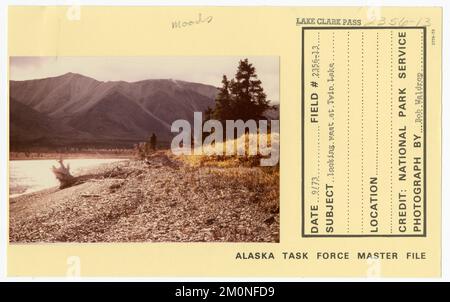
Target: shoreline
[(162, 200), (81, 155), (91, 169)]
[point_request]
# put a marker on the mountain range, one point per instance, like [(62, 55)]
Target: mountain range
[(76, 110)]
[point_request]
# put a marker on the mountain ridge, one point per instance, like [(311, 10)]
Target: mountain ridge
[(113, 109)]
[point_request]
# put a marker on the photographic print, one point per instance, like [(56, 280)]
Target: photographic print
[(144, 149)]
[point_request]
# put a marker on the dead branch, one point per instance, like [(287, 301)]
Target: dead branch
[(63, 175)]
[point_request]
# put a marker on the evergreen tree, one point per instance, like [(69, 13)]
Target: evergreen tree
[(208, 113), (223, 110), (153, 141), (242, 97)]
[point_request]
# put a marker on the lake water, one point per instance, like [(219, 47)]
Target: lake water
[(28, 176)]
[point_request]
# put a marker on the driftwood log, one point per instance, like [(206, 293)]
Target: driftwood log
[(66, 179), (63, 175)]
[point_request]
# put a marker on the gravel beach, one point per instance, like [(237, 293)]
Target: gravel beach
[(163, 200)]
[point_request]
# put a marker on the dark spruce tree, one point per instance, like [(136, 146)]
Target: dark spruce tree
[(153, 142), (242, 97), (248, 98), (222, 110)]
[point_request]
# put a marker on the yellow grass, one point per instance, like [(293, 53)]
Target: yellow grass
[(235, 160), (242, 171)]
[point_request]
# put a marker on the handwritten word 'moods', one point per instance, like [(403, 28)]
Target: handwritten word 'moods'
[(184, 23)]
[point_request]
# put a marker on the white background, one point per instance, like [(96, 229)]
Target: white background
[(445, 123)]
